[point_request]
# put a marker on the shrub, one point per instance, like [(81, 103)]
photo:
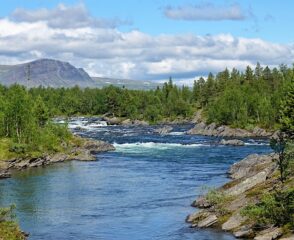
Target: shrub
[(276, 208)]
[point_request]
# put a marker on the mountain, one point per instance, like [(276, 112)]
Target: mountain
[(54, 73), (45, 72)]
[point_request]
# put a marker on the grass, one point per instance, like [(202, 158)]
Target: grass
[(9, 230), (5, 154)]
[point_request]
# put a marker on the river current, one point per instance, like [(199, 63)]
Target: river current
[(141, 191)]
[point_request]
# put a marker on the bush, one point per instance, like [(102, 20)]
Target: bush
[(18, 148), (277, 209)]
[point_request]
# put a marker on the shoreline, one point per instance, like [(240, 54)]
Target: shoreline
[(221, 209), (85, 152)]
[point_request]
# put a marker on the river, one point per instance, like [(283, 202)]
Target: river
[(143, 190)]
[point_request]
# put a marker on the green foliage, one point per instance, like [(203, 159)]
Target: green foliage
[(218, 199), (287, 111), (24, 124), (8, 228), (276, 208), (7, 214)]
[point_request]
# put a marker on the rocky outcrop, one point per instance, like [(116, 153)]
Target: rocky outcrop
[(163, 130), (225, 131), (202, 219), (269, 234), (232, 142), (85, 152), (251, 178), (126, 122), (251, 165)]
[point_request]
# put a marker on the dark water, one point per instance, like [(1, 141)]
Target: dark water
[(143, 190)]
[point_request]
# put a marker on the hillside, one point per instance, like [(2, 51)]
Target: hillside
[(54, 73), (45, 72)]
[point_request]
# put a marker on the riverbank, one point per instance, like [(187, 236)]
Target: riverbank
[(83, 150), (252, 178), (200, 127)]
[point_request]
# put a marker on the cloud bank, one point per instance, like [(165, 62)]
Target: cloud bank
[(106, 51), (207, 12)]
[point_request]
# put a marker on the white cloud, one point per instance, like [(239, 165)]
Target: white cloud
[(112, 53), (206, 12), (63, 16)]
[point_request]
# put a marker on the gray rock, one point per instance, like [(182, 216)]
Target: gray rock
[(247, 183), (287, 238), (198, 129), (112, 120), (208, 221), (197, 216), (259, 132), (140, 123), (4, 173), (163, 130), (126, 122), (244, 232), (233, 222), (250, 165), (225, 131), (201, 203), (233, 142), (269, 234)]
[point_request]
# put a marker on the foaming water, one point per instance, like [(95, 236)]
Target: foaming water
[(143, 190), (147, 146)]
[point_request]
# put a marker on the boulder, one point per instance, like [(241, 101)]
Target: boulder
[(269, 234), (112, 121), (259, 132), (197, 117), (210, 220), (95, 146), (126, 122), (247, 183), (250, 165), (287, 238), (197, 216), (201, 203), (163, 130), (233, 142), (233, 222), (244, 232), (4, 173), (198, 129), (140, 123)]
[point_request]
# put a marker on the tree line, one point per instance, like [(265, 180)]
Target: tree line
[(240, 99)]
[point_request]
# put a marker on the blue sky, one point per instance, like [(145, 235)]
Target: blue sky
[(213, 34)]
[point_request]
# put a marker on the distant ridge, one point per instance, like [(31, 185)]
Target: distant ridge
[(45, 72), (56, 74)]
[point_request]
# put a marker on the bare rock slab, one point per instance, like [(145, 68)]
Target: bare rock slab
[(269, 234)]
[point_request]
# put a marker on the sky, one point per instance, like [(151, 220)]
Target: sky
[(148, 40)]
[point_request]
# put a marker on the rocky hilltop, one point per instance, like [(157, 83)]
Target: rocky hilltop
[(47, 73), (251, 178)]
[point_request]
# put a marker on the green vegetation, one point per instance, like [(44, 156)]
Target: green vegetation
[(230, 97), (278, 207), (8, 228), (219, 200), (25, 127)]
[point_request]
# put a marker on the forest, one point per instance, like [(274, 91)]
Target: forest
[(240, 99)]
